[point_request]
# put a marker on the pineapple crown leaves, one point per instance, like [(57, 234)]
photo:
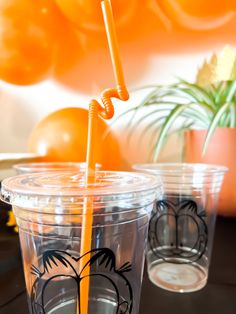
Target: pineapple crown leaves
[(222, 67)]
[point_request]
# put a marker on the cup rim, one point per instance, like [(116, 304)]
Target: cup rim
[(176, 169)]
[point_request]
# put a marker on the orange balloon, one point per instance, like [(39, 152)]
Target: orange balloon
[(27, 44), (87, 14), (69, 54), (198, 14), (62, 136)]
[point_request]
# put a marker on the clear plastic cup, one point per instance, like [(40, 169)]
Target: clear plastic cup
[(182, 224), (31, 167), (49, 211)]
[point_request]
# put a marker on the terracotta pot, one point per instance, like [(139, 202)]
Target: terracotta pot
[(222, 151)]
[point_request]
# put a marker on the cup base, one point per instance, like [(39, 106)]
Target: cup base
[(177, 277), (101, 306), (104, 302)]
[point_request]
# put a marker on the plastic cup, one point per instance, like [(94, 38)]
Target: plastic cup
[(49, 208), (31, 167), (182, 224)]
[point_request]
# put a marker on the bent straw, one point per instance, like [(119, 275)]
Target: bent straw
[(106, 111)]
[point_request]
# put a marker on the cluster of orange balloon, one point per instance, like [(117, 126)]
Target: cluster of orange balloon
[(43, 38), (28, 40), (38, 37)]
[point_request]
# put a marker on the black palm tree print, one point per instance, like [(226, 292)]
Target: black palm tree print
[(170, 217), (103, 258)]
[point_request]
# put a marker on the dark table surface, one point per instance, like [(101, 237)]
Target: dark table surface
[(218, 297)]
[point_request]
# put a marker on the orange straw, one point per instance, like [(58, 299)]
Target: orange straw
[(106, 111)]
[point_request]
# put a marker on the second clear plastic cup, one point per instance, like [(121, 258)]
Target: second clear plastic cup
[(182, 225), (49, 209)]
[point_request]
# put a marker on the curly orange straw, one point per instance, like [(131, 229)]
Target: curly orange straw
[(106, 111)]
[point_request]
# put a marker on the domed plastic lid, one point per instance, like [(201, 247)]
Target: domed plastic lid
[(30, 190)]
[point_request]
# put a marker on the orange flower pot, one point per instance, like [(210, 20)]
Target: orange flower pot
[(222, 151)]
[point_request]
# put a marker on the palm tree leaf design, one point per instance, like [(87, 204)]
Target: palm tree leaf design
[(104, 256), (35, 271), (126, 267), (188, 205), (163, 205), (50, 256)]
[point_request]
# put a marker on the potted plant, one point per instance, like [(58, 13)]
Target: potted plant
[(205, 112)]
